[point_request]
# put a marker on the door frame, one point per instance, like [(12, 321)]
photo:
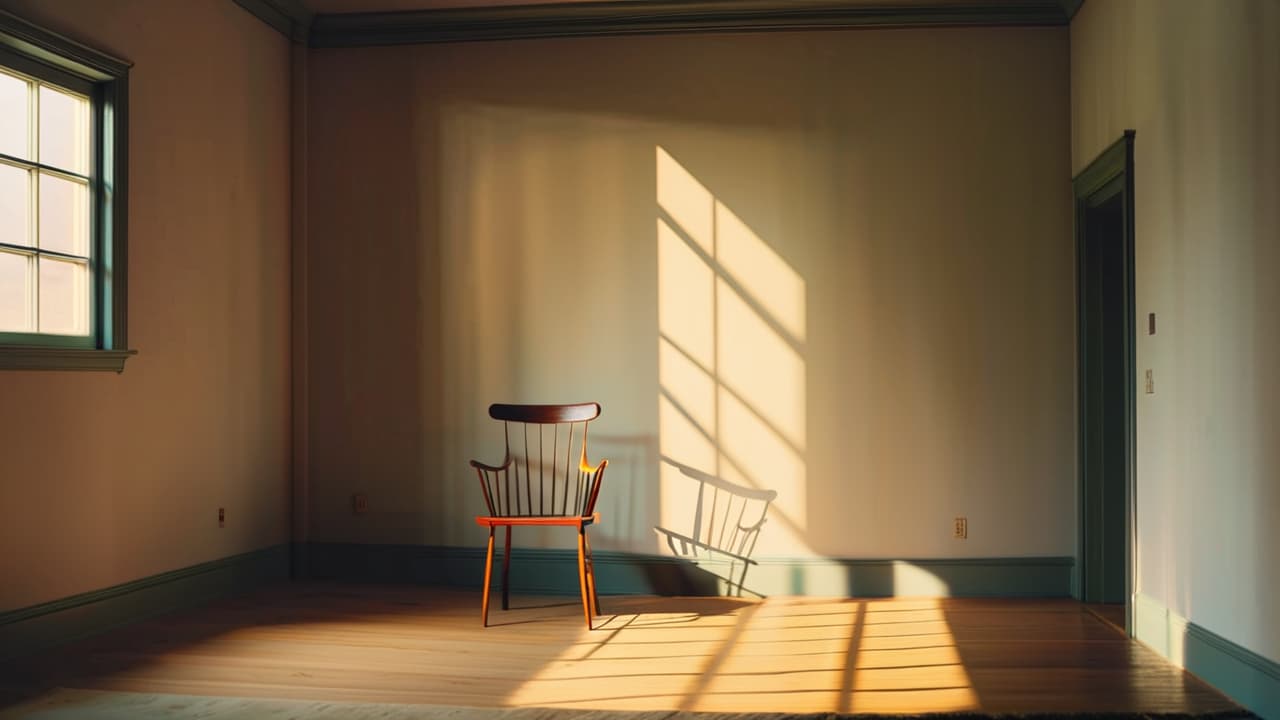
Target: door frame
[(1109, 175)]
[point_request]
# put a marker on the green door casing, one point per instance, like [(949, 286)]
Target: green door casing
[(1106, 373)]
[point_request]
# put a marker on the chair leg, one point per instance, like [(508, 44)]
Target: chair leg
[(582, 573), (506, 567), (488, 575), (591, 576)]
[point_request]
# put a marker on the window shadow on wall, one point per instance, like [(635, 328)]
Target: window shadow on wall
[(731, 365)]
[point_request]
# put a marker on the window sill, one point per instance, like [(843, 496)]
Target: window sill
[(54, 358)]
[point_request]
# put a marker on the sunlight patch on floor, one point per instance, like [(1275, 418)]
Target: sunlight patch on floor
[(781, 654)]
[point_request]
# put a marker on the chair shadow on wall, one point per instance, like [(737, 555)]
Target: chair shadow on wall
[(725, 523)]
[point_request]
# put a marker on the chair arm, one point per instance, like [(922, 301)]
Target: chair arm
[(490, 468)]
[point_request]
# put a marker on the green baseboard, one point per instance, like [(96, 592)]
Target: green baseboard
[(554, 572), (31, 629), (1243, 675)]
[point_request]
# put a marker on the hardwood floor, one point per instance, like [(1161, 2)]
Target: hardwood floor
[(1108, 612), (423, 645)]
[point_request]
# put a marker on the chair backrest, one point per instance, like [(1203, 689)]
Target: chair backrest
[(541, 475), (727, 517)]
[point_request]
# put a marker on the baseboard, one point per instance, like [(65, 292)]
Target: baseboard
[(34, 628), (1241, 674), (554, 572)]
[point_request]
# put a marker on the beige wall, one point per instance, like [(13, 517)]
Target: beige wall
[(1200, 82), (888, 341), (107, 478)]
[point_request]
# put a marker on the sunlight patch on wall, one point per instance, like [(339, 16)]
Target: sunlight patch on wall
[(760, 271), (686, 201), (679, 437), (686, 302), (683, 378), (760, 454), (760, 367), (731, 369)]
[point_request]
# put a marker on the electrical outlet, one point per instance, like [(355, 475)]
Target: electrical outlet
[(359, 503), (1151, 383), (961, 530), (222, 517)]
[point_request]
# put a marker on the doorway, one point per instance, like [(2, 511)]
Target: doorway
[(1106, 381)]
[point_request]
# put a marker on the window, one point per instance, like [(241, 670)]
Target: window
[(63, 119)]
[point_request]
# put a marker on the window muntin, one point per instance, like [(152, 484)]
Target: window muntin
[(46, 217), (88, 174)]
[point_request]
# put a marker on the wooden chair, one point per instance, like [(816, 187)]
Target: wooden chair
[(542, 483), (726, 523)]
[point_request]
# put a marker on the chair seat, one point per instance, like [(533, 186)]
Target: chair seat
[(558, 520)]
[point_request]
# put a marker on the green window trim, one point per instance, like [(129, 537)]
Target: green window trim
[(33, 50)]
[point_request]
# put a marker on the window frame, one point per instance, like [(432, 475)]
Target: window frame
[(56, 60)]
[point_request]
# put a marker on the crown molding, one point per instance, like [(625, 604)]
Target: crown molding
[(58, 51), (642, 17), (289, 17)]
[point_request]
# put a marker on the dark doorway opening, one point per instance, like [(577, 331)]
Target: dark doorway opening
[(1106, 380)]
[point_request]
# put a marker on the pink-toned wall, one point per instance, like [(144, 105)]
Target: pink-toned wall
[(106, 478)]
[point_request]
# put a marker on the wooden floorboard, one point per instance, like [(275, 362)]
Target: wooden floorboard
[(1111, 613), (422, 645)]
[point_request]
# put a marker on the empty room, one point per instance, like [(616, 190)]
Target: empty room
[(652, 359)]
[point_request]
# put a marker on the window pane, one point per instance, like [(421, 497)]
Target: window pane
[(64, 130), (15, 114), (15, 292), (15, 205), (64, 215), (64, 297)]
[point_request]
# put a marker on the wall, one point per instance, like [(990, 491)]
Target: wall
[(834, 264), (1200, 83), (107, 478)]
